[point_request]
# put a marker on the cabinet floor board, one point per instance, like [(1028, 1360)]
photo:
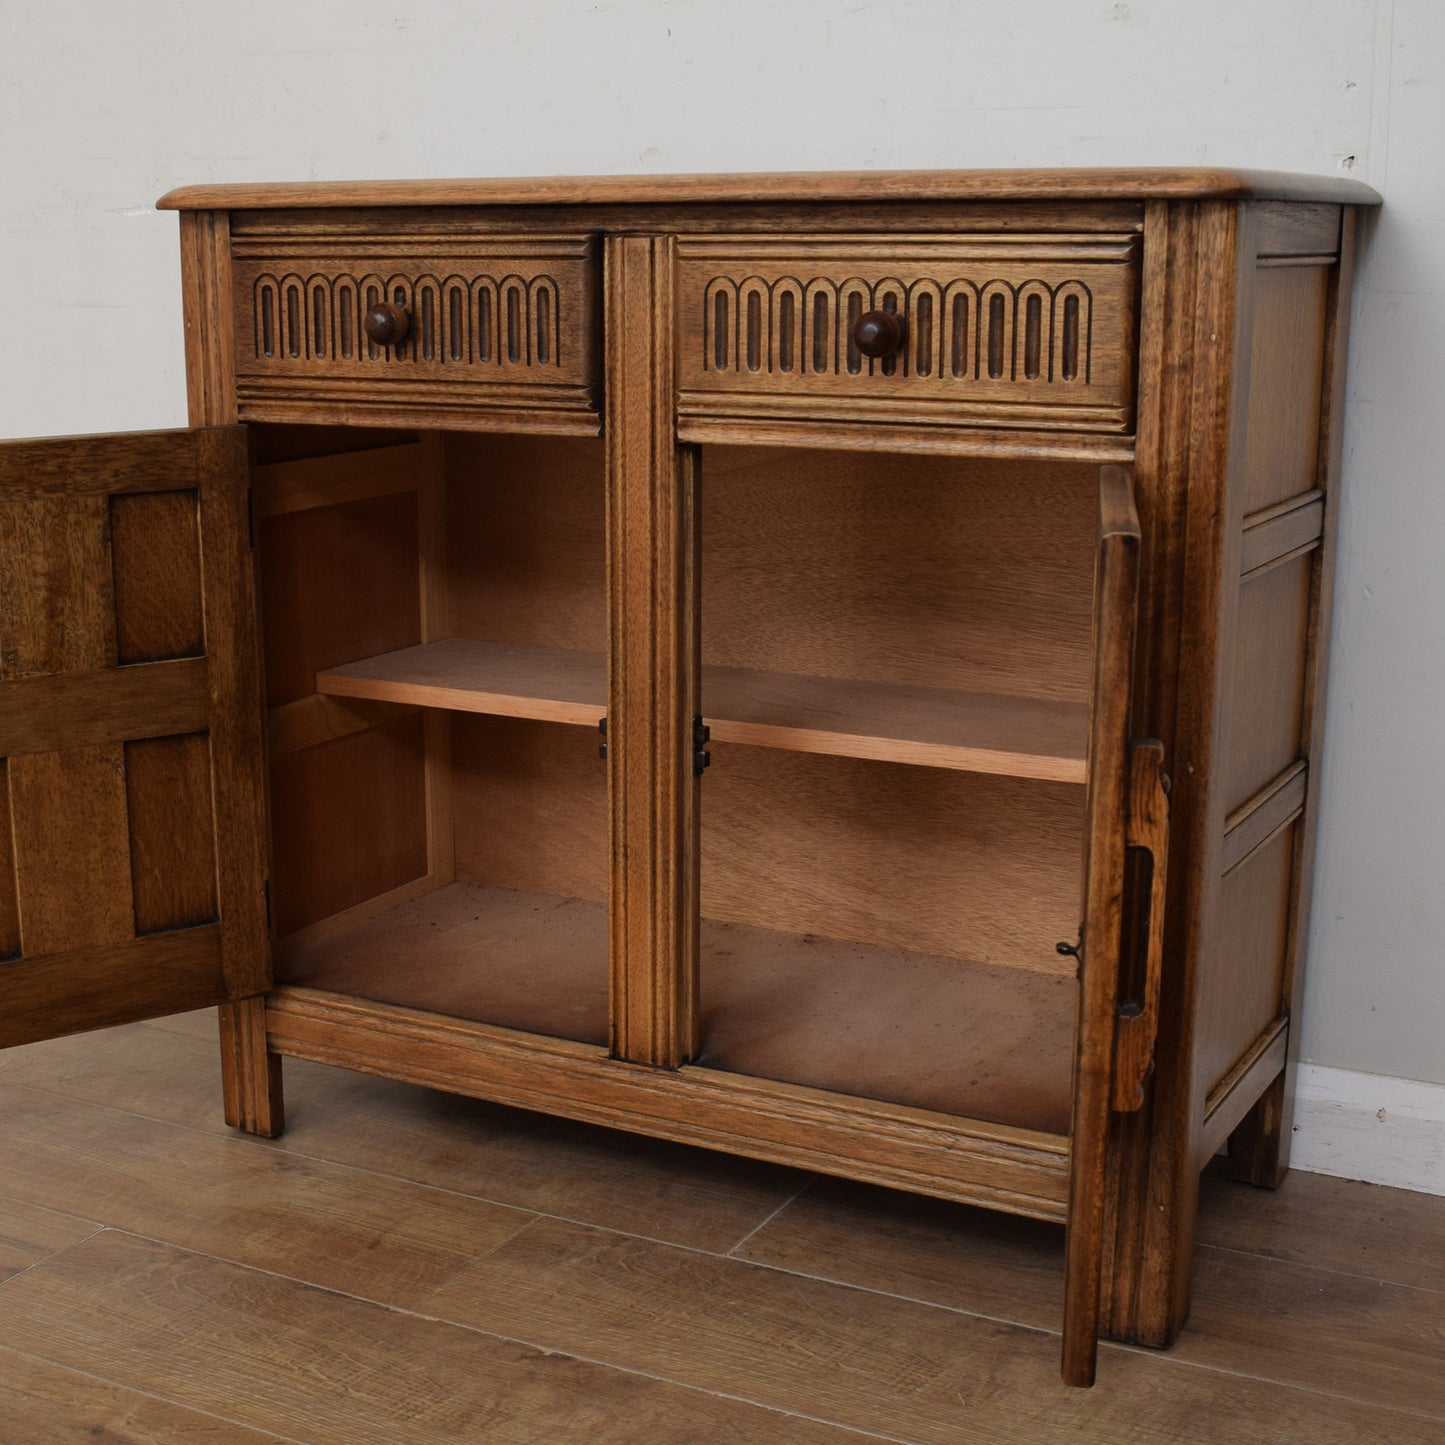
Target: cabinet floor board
[(944, 1034)]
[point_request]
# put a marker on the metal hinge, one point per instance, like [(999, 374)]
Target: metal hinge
[(701, 758), (602, 746)]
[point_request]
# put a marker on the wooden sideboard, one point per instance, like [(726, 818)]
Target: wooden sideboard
[(821, 667)]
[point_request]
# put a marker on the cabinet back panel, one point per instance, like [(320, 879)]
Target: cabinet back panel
[(526, 526), (530, 803), (348, 821), (967, 865), (930, 571)]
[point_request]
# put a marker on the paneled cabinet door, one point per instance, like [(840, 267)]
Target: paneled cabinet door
[(133, 830), (1121, 943)]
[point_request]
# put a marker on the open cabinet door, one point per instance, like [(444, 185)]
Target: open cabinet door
[(132, 882), (1124, 877)]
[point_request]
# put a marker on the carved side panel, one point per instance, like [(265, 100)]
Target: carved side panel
[(997, 331)]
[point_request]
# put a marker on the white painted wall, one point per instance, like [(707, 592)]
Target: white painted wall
[(103, 106)]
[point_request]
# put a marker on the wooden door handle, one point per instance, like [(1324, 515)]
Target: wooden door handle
[(878, 333), (386, 324), (1136, 1025)]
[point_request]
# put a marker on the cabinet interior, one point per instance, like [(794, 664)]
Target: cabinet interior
[(896, 663)]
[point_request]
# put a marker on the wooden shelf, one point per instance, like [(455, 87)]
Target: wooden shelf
[(490, 677), (935, 727)]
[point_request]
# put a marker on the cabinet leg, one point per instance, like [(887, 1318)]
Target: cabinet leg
[(250, 1072), (1259, 1147)]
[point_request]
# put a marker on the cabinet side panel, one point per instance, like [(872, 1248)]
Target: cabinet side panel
[(1275, 550)]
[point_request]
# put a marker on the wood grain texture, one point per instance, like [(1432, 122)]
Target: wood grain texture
[(30, 1233), (869, 1361), (1267, 1156), (55, 569), (336, 478), (1194, 326), (47, 1405), (1292, 229), (155, 550), (533, 961), (294, 726), (1011, 185), (1281, 531), (1267, 693), (337, 583), (42, 714), (920, 571), (252, 1091), (1285, 379), (362, 1234), (9, 884), (348, 821), (527, 539), (530, 801), (526, 1160), (934, 1033), (71, 842), (967, 865), (109, 983), (652, 687), (237, 726), (1116, 602), (206, 305), (172, 832), (230, 1336), (1236, 1094)]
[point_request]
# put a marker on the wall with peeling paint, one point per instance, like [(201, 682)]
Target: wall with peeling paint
[(103, 107)]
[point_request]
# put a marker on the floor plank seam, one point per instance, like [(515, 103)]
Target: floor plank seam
[(763, 1223), (1168, 1357), (475, 1260), (279, 1146), (548, 1350), (1323, 1269), (36, 1263), (263, 1431)]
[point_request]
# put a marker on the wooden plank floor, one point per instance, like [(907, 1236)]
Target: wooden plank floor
[(404, 1266)]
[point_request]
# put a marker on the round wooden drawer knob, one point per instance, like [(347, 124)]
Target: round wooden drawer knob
[(878, 333), (386, 324)]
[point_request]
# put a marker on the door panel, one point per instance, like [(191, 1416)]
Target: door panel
[(132, 872), (1127, 820)]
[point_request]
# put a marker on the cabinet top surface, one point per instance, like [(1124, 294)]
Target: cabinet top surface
[(803, 186)]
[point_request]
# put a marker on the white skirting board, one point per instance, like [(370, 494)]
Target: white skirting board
[(1369, 1126)]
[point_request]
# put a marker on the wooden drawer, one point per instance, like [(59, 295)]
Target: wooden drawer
[(505, 326), (1031, 331)]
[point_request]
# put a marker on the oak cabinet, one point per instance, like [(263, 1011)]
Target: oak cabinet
[(820, 667)]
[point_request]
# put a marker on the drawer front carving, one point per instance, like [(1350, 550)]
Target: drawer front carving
[(508, 325), (1021, 331)]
